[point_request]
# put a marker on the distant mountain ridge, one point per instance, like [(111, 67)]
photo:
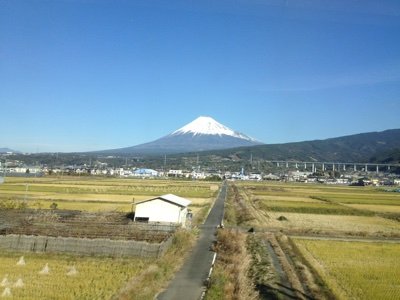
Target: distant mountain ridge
[(204, 133), (372, 147), (7, 150), (352, 148)]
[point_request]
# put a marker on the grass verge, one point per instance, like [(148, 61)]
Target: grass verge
[(230, 278), (157, 275)]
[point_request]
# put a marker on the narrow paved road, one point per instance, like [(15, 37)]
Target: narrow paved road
[(189, 281)]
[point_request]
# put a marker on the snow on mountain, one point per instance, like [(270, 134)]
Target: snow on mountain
[(207, 125), (204, 133)]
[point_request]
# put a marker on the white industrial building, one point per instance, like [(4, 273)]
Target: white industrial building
[(164, 209), (145, 173)]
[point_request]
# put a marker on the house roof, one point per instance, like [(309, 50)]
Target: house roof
[(171, 198), (145, 171)]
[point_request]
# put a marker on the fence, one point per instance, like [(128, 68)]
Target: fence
[(84, 246)]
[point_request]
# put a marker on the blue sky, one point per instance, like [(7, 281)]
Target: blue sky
[(96, 74)]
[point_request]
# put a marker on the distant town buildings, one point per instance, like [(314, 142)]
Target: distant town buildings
[(344, 174)]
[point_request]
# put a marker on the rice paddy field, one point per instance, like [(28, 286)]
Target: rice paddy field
[(317, 207), (355, 270), (65, 277), (69, 277), (345, 239), (56, 276), (101, 194)]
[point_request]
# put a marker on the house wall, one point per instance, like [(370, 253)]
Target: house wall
[(183, 216), (161, 211)]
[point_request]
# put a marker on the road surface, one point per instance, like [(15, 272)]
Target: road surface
[(189, 280)]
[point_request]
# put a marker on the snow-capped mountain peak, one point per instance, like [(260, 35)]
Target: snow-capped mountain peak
[(209, 126), (202, 134)]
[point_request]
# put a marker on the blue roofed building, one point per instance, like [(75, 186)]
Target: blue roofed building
[(145, 172)]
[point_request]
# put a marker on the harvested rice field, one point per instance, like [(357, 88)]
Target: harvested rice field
[(45, 276), (355, 270), (101, 194), (317, 208)]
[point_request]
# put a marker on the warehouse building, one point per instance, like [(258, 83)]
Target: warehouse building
[(163, 209)]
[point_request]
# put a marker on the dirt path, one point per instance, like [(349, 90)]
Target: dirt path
[(282, 286), (189, 281), (347, 239)]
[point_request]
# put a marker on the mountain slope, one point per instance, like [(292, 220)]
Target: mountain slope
[(388, 156), (204, 133), (353, 148), (5, 150)]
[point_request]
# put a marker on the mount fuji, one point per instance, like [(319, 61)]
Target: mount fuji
[(204, 133)]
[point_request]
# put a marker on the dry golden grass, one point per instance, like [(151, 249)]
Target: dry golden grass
[(311, 208), (99, 194), (96, 278), (377, 208), (287, 198), (229, 279), (338, 223), (355, 270), (158, 273), (85, 206), (98, 205)]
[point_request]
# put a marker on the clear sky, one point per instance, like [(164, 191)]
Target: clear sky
[(78, 75)]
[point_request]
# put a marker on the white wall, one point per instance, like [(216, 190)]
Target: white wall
[(161, 211)]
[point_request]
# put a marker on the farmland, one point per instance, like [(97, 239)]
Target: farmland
[(356, 270), (101, 194), (318, 241), (83, 277), (100, 207), (321, 208), (93, 278)]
